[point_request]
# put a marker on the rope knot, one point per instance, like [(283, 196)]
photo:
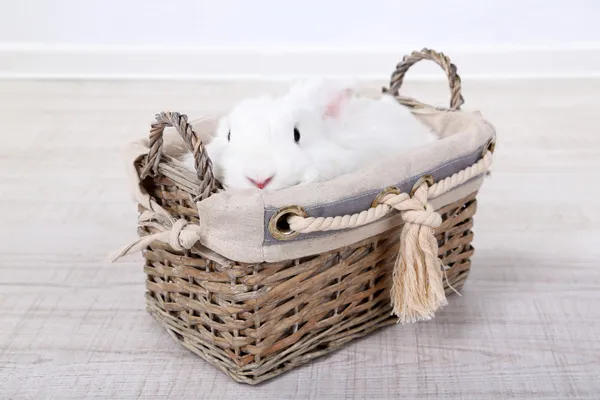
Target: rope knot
[(416, 209), (180, 235), (425, 216), (176, 238)]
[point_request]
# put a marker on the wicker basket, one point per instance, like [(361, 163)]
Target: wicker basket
[(254, 321)]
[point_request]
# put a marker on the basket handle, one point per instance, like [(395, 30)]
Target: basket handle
[(208, 183), (456, 98)]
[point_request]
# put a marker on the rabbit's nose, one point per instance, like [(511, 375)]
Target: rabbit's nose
[(261, 183)]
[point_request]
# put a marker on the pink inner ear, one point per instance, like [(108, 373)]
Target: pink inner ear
[(335, 105)]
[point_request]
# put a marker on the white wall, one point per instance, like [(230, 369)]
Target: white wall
[(129, 38), (306, 23)]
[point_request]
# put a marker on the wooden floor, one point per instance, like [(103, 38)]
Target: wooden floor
[(73, 326)]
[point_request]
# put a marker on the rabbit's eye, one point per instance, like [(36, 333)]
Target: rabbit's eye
[(229, 136), (296, 135)]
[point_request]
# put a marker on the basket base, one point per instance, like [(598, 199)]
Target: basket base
[(335, 338)]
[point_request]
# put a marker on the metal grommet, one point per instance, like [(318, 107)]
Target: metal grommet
[(490, 146), (384, 192), (424, 179), (278, 225)]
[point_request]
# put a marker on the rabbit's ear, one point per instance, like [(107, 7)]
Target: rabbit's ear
[(332, 109)]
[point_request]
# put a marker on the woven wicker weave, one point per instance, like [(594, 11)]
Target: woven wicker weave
[(255, 321)]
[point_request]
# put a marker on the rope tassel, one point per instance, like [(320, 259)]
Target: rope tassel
[(417, 287), (179, 234)]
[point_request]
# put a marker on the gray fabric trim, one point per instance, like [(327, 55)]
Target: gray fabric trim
[(363, 201)]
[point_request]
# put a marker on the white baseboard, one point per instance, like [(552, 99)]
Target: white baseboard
[(18, 61)]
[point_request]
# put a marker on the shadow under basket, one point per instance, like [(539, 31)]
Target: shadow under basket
[(256, 321)]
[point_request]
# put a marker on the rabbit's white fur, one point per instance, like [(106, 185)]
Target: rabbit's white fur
[(340, 132)]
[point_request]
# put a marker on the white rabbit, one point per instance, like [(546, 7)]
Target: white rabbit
[(317, 131)]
